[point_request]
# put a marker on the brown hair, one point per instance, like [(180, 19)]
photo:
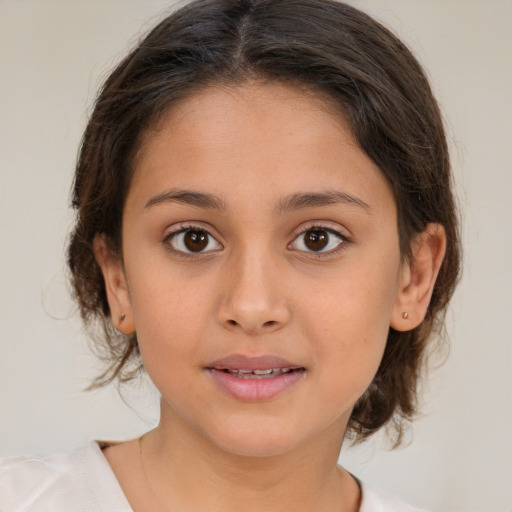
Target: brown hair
[(326, 46)]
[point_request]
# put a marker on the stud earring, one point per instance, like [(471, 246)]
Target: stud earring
[(405, 315), (122, 317)]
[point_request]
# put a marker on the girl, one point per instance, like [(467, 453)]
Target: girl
[(265, 224)]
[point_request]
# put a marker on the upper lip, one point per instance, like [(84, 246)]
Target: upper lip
[(242, 362)]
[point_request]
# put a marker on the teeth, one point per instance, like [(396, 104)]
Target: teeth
[(255, 374)]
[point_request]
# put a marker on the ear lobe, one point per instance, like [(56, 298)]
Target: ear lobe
[(418, 278), (116, 286)]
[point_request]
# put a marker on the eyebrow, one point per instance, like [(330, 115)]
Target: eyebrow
[(188, 197), (289, 203), (317, 199)]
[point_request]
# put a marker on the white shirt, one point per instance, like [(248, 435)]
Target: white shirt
[(83, 481)]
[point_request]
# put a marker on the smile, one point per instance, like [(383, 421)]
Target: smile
[(249, 378), (258, 374)]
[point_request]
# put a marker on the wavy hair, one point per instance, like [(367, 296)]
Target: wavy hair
[(323, 45)]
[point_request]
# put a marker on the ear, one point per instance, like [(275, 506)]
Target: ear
[(116, 286), (418, 277)]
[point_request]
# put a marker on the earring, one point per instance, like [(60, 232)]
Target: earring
[(405, 315), (122, 317)]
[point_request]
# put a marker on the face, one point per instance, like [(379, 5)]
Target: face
[(258, 236)]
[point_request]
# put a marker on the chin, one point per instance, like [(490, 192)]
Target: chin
[(257, 448), (256, 440)]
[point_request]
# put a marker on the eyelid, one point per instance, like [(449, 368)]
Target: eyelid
[(322, 224), (191, 225), (338, 231), (184, 227)]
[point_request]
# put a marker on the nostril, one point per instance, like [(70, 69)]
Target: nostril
[(270, 323)]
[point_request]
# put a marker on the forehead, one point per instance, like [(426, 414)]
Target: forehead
[(265, 138)]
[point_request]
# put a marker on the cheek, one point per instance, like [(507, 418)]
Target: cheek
[(358, 299), (175, 317), (170, 314), (348, 322)]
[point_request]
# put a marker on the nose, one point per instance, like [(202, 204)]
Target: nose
[(253, 299)]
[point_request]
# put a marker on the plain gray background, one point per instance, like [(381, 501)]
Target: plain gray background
[(53, 55)]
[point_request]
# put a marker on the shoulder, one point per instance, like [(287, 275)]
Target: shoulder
[(79, 481), (374, 501)]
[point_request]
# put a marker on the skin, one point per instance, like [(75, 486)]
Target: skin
[(257, 289)]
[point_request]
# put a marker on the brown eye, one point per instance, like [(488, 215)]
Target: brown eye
[(319, 240), (195, 241), (192, 241), (316, 240)]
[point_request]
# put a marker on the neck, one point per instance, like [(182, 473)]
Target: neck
[(186, 471)]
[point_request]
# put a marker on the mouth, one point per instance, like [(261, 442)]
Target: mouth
[(257, 365), (255, 379), (258, 374)]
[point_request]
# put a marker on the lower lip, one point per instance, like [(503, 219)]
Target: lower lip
[(255, 389)]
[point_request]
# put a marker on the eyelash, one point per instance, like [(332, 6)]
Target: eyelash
[(183, 228), (342, 246)]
